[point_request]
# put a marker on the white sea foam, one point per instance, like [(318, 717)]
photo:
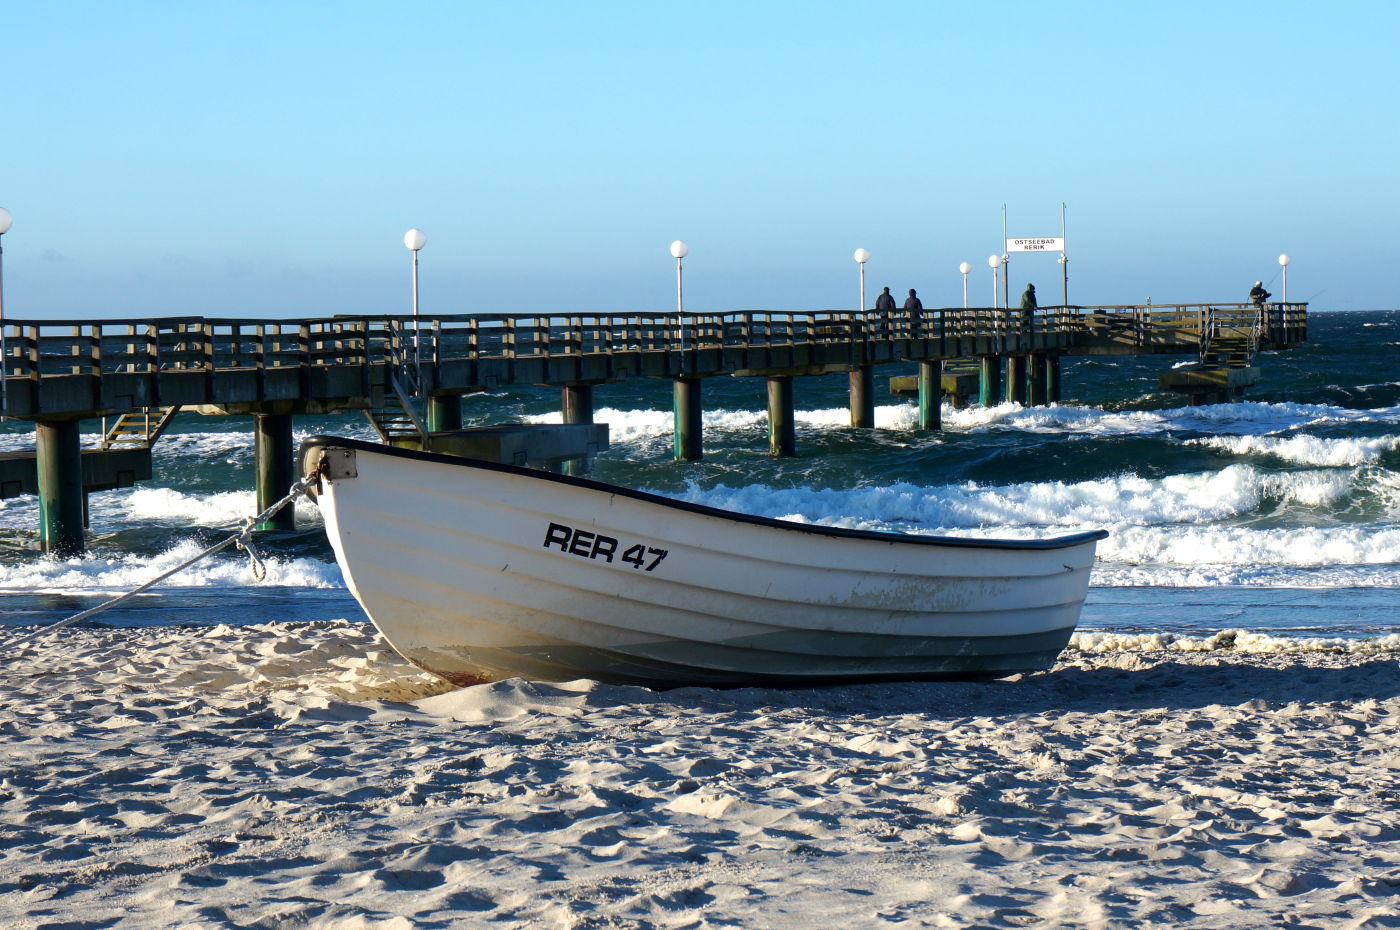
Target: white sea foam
[(1243, 419), (1232, 641), (220, 508), (628, 426), (1111, 575), (1121, 500), (1308, 547), (98, 573), (1174, 531), (1304, 449)]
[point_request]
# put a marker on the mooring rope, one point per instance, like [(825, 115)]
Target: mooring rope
[(243, 539)]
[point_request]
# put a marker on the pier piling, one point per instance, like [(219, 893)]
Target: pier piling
[(61, 505), (276, 467), (989, 388), (685, 402), (1036, 375), (782, 427), (1016, 379), (863, 396), (577, 403), (931, 394), (444, 412)]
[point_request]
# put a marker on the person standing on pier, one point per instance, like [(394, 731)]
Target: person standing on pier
[(1028, 304), (884, 304), (1257, 294), (913, 306)]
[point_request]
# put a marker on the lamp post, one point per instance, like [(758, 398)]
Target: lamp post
[(680, 250), (964, 267), (6, 221), (413, 240), (1006, 280), (862, 256), (1283, 260), (994, 263)]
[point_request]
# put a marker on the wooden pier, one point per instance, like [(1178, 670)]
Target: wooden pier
[(57, 373)]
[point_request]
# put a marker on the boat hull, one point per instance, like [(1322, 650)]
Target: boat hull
[(476, 571)]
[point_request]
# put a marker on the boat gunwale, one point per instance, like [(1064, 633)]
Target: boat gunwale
[(958, 542)]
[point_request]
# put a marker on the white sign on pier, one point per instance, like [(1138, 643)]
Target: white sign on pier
[(1056, 244)]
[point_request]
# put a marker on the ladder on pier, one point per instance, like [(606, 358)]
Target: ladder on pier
[(1230, 336), (396, 419), (139, 428)]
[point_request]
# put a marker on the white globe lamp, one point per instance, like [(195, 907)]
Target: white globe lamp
[(861, 256)]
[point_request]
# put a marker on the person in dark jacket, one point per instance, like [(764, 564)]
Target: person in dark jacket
[(914, 307), (885, 301), (1028, 303), (1257, 294)]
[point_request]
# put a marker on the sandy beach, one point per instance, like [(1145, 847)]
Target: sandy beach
[(301, 775)]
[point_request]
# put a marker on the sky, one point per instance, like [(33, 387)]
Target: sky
[(265, 159)]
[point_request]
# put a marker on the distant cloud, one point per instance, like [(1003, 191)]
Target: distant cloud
[(53, 255)]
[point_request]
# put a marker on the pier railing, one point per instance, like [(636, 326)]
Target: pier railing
[(286, 354)]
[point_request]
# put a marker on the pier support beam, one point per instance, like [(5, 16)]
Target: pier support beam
[(989, 387), (863, 397), (60, 465), (1039, 388), (685, 401), (577, 403), (276, 467), (1016, 378), (444, 412), (1052, 378), (782, 427), (931, 394)]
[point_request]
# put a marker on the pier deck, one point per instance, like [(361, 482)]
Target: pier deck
[(88, 368)]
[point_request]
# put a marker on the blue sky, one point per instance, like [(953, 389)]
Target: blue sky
[(265, 159)]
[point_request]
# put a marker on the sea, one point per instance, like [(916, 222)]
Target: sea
[(1277, 515)]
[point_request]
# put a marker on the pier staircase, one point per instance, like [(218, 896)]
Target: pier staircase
[(1230, 336), (139, 428), (396, 420)]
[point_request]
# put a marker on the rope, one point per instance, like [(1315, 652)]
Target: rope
[(243, 539)]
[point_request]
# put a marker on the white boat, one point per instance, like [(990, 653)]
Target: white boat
[(476, 571)]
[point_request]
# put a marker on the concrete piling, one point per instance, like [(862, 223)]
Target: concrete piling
[(1016, 379), (686, 405), (274, 457), (61, 498), (577, 403), (931, 394), (1036, 376), (989, 387), (444, 412), (863, 396), (782, 428)]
